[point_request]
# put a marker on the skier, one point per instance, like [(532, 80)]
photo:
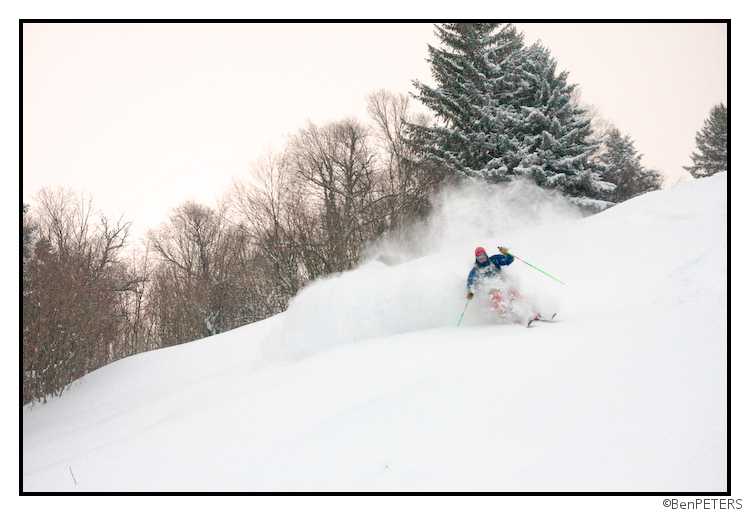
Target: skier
[(487, 274), (485, 267)]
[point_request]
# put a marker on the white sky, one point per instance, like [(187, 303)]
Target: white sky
[(146, 116)]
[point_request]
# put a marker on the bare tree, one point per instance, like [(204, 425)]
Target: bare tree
[(138, 327), (271, 212), (336, 169), (406, 180), (197, 282), (71, 322)]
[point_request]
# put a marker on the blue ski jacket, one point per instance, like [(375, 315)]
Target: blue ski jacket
[(491, 268)]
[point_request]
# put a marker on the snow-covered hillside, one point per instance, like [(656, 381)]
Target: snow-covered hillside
[(366, 384)]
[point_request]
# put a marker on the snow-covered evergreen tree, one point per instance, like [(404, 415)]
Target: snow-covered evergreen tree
[(503, 111), (464, 139), (622, 167), (712, 145)]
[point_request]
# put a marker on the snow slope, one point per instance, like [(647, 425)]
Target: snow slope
[(366, 384)]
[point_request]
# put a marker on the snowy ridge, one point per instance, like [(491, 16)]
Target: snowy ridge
[(366, 383)]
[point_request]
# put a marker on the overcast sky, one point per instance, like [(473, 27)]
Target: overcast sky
[(146, 116)]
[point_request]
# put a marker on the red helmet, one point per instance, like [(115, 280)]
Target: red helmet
[(479, 250)]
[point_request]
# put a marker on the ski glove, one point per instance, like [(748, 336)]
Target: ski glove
[(503, 250), (469, 295)]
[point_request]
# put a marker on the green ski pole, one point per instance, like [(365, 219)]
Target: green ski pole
[(462, 314), (532, 266)]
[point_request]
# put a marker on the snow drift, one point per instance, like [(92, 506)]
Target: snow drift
[(366, 384)]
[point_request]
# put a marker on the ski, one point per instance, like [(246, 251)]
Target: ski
[(550, 319)]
